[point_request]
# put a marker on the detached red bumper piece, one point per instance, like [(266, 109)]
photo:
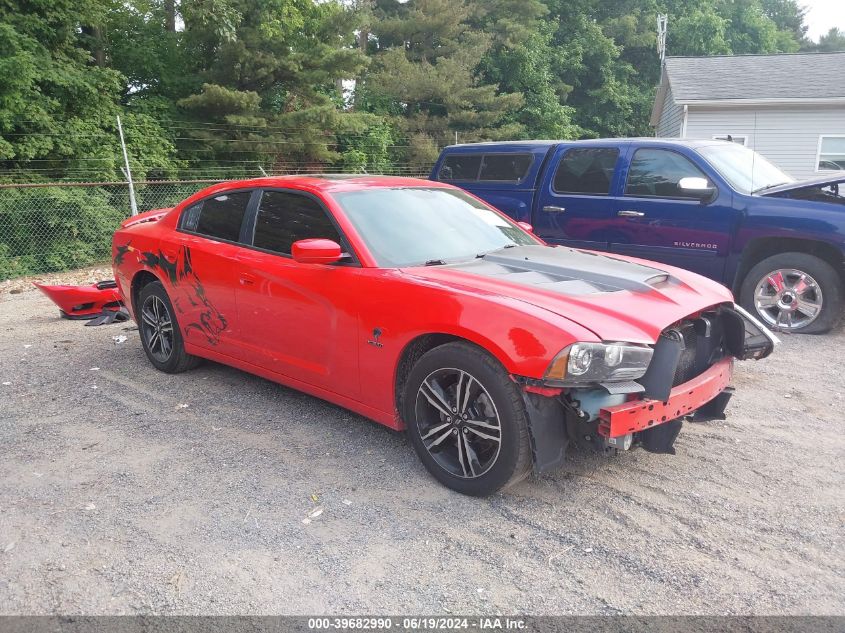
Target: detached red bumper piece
[(84, 302), (641, 415)]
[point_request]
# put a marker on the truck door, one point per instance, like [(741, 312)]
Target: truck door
[(575, 203), (655, 219)]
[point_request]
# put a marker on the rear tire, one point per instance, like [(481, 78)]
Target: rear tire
[(160, 333), (466, 420), (823, 287)]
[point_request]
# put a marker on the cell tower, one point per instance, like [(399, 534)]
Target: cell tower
[(662, 20)]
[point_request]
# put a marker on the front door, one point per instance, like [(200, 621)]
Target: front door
[(297, 319), (576, 207), (654, 219)]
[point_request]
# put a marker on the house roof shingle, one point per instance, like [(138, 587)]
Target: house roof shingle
[(782, 77)]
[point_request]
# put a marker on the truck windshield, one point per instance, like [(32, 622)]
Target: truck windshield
[(412, 226), (743, 168)]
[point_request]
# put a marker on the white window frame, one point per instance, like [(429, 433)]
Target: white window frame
[(721, 137), (819, 151)]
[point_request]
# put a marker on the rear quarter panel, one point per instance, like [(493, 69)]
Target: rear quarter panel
[(128, 245)]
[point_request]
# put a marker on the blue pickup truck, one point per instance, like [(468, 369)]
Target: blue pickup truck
[(713, 207)]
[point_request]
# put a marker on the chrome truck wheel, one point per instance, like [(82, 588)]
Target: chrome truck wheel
[(788, 299), (794, 292)]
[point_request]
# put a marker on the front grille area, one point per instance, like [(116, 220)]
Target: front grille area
[(686, 369), (684, 351)]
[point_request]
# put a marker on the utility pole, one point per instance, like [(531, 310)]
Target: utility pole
[(662, 24), (132, 204)]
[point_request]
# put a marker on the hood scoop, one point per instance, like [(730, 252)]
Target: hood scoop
[(566, 270)]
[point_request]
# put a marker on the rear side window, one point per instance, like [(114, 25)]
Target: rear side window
[(656, 173), (283, 218), (587, 171), (220, 217), (460, 167), (505, 167)]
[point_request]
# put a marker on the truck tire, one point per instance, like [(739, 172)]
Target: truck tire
[(794, 292)]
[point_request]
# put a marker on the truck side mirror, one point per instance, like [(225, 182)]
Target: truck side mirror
[(695, 187)]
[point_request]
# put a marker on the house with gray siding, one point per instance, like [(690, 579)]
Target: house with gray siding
[(790, 108)]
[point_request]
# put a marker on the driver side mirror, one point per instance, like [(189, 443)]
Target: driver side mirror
[(695, 187), (525, 227), (316, 251)]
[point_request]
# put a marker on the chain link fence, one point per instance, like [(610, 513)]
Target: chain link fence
[(51, 227)]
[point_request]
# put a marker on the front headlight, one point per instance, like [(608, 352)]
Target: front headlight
[(583, 363)]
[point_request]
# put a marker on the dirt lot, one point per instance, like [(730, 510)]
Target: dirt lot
[(124, 490)]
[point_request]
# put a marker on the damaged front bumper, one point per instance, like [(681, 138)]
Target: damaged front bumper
[(640, 415), (700, 351)]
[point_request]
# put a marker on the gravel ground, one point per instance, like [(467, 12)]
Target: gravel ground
[(124, 490)]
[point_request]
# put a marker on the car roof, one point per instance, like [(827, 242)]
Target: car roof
[(331, 183), (545, 144)]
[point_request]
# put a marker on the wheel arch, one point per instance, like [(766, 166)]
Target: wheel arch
[(759, 249), (142, 278), (419, 345)]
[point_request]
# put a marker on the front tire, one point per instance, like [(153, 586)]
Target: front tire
[(161, 336), (794, 292), (466, 420)]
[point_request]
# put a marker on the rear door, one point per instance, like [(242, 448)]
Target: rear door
[(199, 264), (576, 201), (297, 319), (654, 219)]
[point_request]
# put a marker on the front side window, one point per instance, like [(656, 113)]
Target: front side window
[(831, 153), (460, 167), (220, 217), (586, 171), (410, 226), (505, 167), (655, 173), (284, 218)]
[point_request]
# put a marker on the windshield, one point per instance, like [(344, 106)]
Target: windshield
[(411, 226), (743, 168)]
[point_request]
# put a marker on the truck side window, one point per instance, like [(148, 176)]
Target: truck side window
[(505, 167), (586, 171), (460, 167), (656, 172)]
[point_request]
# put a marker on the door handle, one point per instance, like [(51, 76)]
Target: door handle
[(550, 208), (247, 279), (629, 213)]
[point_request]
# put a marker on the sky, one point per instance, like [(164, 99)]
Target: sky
[(822, 15)]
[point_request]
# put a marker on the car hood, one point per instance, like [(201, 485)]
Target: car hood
[(818, 181), (617, 298)]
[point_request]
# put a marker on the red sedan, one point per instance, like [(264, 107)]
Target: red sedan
[(419, 306)]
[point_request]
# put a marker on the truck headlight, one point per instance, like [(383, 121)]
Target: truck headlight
[(582, 363)]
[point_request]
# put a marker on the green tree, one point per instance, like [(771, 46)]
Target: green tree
[(831, 42), (58, 101), (425, 71)]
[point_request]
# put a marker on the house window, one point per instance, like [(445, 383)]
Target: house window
[(831, 153), (733, 138)]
